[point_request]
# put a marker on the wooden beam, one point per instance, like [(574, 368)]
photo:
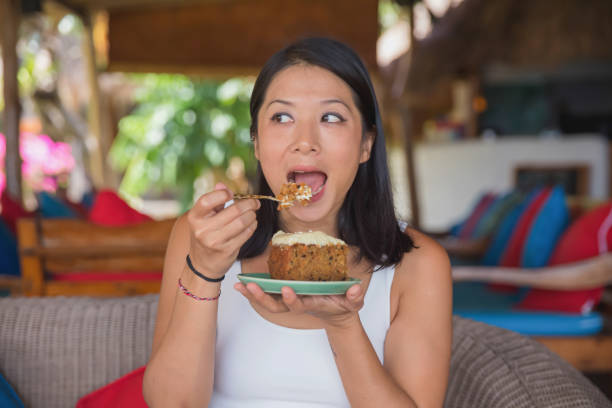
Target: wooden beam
[(241, 33), (118, 4), (10, 14), (98, 146)]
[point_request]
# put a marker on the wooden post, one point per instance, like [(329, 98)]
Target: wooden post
[(31, 266), (410, 165), (408, 130), (9, 19), (96, 145)]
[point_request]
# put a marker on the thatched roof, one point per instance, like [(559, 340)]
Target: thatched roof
[(535, 34)]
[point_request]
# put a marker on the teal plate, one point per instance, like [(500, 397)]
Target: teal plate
[(270, 285)]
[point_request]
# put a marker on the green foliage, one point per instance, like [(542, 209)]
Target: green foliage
[(180, 129)]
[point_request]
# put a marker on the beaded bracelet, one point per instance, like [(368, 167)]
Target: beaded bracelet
[(206, 278), (191, 295)]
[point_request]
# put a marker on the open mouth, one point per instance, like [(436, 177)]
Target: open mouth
[(314, 179)]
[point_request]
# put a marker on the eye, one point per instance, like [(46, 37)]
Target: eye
[(332, 118), (282, 118)]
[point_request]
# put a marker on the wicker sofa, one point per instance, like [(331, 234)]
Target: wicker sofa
[(54, 350)]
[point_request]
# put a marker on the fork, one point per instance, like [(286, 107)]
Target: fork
[(264, 197)]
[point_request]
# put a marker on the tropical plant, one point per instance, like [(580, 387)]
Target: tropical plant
[(180, 129)]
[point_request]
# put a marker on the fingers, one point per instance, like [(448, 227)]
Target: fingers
[(237, 240), (255, 294), (210, 203), (292, 300), (222, 187), (354, 296), (236, 217)]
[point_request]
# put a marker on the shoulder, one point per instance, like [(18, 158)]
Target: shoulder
[(427, 256), (423, 277)]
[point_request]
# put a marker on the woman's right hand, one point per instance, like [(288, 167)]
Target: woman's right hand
[(217, 233)]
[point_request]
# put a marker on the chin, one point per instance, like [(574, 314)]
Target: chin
[(311, 213)]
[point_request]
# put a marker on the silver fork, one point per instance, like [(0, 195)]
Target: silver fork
[(260, 197)]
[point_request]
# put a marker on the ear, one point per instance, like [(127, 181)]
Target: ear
[(366, 146), (255, 146)]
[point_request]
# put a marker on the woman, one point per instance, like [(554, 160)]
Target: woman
[(386, 342)]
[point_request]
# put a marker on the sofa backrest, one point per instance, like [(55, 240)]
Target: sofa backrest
[(55, 350)]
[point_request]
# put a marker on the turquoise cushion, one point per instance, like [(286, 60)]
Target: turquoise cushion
[(8, 396), (478, 296), (8, 252), (545, 230), (495, 214), (51, 206), (501, 237)]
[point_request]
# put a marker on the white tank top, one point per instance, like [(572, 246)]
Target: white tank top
[(259, 364)]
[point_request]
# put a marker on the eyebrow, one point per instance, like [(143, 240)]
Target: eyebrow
[(281, 101), (326, 102), (330, 101)]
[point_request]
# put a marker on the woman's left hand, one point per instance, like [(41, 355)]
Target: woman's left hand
[(333, 310)]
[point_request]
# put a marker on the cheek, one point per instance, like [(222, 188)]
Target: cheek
[(346, 160), (269, 159)]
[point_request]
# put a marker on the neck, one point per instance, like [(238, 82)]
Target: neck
[(289, 223)]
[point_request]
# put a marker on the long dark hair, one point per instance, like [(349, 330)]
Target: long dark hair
[(367, 217)]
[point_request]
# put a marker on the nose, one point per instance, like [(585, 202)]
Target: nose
[(306, 139)]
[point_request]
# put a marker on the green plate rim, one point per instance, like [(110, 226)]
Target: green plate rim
[(296, 285)]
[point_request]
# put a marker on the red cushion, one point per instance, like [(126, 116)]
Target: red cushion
[(12, 210), (114, 276), (587, 237), (126, 392), (512, 254), (109, 209)]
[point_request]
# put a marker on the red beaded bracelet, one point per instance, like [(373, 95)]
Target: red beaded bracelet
[(191, 295)]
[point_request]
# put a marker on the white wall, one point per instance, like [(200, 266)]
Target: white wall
[(452, 175)]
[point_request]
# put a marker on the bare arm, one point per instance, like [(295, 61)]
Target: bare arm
[(180, 372), (418, 343)]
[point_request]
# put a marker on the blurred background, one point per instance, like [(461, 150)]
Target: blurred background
[(497, 114), (150, 98)]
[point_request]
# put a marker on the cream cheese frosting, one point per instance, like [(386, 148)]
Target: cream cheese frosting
[(307, 238)]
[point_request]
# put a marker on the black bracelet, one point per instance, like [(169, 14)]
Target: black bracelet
[(206, 278)]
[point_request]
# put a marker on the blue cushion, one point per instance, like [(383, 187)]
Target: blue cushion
[(501, 237), (88, 199), (51, 206), (477, 296), (476, 301), (545, 230), (8, 396), (8, 252), (539, 323)]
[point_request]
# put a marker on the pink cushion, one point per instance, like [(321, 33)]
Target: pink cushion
[(109, 209), (587, 237), (126, 392)]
